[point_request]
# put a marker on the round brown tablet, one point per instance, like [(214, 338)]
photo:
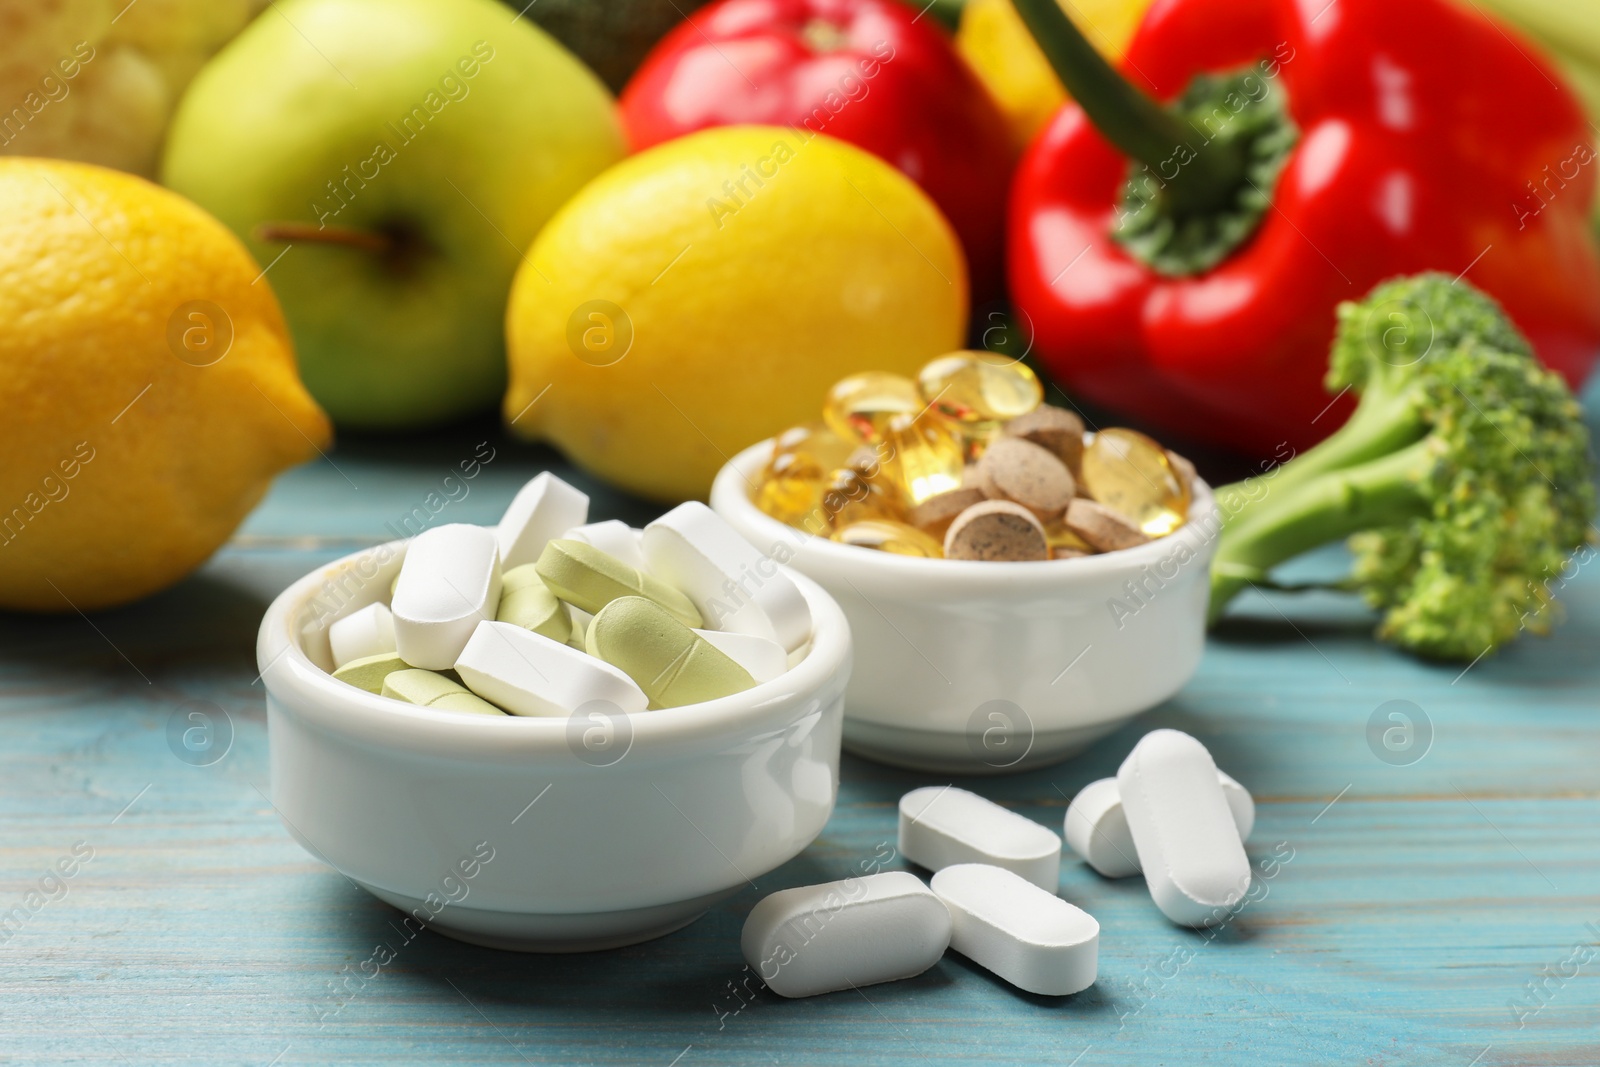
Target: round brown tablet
[(1183, 469), (996, 530), (1103, 528), (934, 515), (1055, 429), (1027, 474)]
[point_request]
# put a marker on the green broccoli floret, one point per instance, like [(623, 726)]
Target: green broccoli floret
[(1463, 479)]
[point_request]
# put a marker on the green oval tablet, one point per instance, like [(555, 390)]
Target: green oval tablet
[(579, 620), (368, 672), (416, 686), (590, 579), (669, 661), (431, 690), (520, 578), (471, 703), (527, 602)]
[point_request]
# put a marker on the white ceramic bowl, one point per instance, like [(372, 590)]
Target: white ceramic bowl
[(600, 831), (976, 667)]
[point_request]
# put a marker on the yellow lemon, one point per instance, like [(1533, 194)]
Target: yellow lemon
[(997, 44), (147, 382), (704, 294)]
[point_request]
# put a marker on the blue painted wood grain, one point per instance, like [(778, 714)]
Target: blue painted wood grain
[(1406, 911)]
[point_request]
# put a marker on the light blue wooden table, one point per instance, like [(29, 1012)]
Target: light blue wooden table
[(1440, 912)]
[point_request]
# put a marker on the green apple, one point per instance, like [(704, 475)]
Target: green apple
[(387, 162)]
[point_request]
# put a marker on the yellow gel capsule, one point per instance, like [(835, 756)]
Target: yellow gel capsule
[(790, 500), (811, 444), (1131, 474), (979, 387), (791, 486), (886, 535), (1063, 542), (860, 407), (925, 456), (852, 496)]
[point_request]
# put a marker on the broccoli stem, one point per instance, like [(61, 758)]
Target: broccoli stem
[(1386, 422), (1296, 516)]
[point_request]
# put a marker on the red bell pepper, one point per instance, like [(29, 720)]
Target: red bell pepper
[(1180, 263), (870, 72)]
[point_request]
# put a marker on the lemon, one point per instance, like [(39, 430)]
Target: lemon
[(703, 295), (996, 42), (147, 382)]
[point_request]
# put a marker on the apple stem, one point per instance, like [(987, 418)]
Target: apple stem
[(332, 235), (824, 36)]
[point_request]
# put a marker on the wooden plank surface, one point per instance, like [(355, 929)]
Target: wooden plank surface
[(1407, 909)]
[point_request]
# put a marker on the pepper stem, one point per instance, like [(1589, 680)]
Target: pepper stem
[(1201, 169), (1127, 117)]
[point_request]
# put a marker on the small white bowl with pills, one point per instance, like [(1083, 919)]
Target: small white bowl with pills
[(552, 735), (977, 666)]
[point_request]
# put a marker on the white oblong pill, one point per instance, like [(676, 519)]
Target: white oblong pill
[(733, 585), (613, 537), (941, 826), (529, 674), (449, 583), (1006, 924), (1241, 805), (543, 509), (764, 659), (853, 932), (1183, 830), (1097, 830), (368, 632)]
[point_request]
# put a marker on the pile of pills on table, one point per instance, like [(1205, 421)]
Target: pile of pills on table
[(992, 898), (967, 462), (1172, 814), (546, 613)]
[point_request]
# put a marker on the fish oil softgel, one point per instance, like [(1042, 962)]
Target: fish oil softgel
[(861, 407), (796, 477), (979, 391), (1133, 476), (886, 535), (935, 455), (925, 456), (1063, 542), (852, 496), (977, 387)]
